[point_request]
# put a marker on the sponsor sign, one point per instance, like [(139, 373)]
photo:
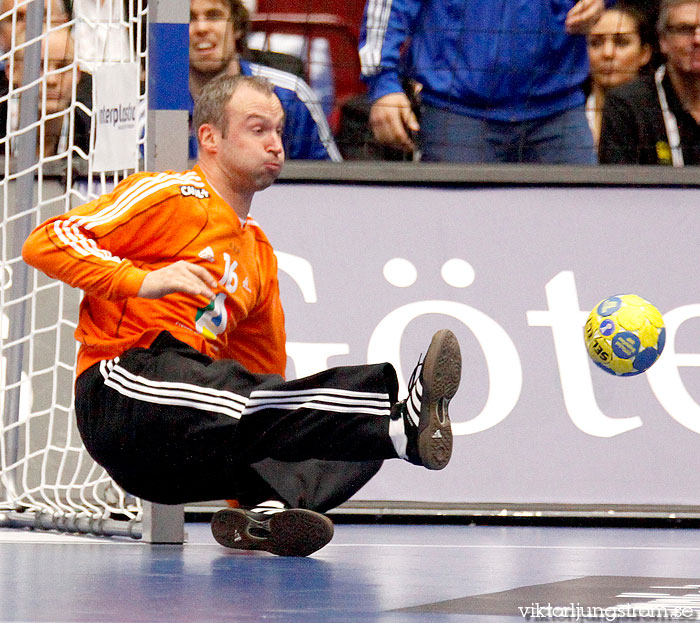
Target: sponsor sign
[(367, 273), (116, 116)]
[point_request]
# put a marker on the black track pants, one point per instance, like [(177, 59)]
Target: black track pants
[(172, 426)]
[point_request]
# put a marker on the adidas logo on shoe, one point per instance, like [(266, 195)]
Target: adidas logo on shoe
[(432, 385)]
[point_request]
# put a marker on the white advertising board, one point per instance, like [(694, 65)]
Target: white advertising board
[(368, 272)]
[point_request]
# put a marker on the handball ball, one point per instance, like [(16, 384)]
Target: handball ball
[(625, 334)]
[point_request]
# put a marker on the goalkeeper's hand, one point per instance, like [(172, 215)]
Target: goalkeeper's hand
[(181, 276)]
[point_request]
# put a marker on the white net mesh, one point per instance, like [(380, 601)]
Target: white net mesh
[(45, 472)]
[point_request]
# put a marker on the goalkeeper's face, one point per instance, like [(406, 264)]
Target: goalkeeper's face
[(247, 152)]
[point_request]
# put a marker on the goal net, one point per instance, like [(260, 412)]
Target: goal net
[(47, 480)]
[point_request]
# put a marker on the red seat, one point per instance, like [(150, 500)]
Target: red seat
[(349, 11), (342, 39)]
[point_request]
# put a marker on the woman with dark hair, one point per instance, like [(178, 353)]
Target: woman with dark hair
[(619, 46)]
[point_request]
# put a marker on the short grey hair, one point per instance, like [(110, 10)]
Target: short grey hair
[(210, 106), (664, 9)]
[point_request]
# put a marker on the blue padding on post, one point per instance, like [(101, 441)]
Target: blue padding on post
[(169, 66)]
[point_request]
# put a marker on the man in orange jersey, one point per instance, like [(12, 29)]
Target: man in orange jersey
[(180, 392)]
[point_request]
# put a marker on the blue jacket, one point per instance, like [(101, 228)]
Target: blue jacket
[(307, 135), (504, 60)]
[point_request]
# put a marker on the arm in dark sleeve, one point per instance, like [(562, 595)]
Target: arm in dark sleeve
[(619, 132)]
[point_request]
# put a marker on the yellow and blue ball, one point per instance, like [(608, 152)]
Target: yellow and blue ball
[(625, 334)]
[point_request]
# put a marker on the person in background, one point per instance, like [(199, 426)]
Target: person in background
[(619, 46), (55, 13), (501, 81), (55, 95), (656, 119), (218, 30)]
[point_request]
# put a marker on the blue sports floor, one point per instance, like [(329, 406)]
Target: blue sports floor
[(369, 573)]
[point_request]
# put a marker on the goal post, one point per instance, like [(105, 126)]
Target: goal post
[(168, 140), (47, 479), (26, 161)]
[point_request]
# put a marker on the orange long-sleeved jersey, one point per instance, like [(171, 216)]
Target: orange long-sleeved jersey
[(107, 246)]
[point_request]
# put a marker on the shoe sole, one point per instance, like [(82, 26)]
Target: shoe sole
[(441, 374), (293, 532)]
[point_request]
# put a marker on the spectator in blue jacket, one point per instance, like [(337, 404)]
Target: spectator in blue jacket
[(501, 80), (217, 38)]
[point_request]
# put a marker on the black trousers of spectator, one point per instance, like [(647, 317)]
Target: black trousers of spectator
[(171, 425)]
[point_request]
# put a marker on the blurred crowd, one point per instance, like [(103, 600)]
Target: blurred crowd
[(473, 81), (579, 82)]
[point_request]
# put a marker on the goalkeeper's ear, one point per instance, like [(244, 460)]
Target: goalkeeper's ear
[(208, 137)]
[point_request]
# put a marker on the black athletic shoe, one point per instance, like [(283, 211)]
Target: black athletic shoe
[(290, 532), (432, 385)]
